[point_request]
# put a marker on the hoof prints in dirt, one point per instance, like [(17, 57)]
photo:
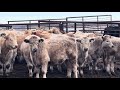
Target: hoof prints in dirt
[(21, 71)]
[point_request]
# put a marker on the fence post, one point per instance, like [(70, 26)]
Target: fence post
[(61, 27), (83, 24), (97, 24), (49, 24), (27, 27), (75, 26), (8, 25), (66, 25), (38, 24), (30, 25)]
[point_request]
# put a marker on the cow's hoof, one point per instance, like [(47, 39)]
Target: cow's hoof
[(68, 76), (113, 73)]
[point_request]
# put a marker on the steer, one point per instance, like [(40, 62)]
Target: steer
[(35, 54), (83, 52), (8, 53)]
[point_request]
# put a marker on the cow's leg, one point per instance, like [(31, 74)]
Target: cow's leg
[(108, 69), (37, 75), (8, 65), (44, 69), (51, 68), (30, 67), (96, 69), (81, 71), (82, 66), (74, 67), (104, 62), (75, 71), (112, 66), (59, 68), (94, 65), (69, 69), (108, 66), (1, 68), (90, 66), (13, 60), (37, 71), (97, 63), (85, 62)]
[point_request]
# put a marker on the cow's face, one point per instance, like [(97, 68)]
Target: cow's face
[(11, 41), (106, 37), (107, 44), (34, 42), (85, 42)]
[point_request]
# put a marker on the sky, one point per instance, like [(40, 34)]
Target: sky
[(11, 16)]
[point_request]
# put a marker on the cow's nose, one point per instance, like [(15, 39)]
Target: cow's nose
[(112, 46), (86, 49), (34, 50), (16, 46)]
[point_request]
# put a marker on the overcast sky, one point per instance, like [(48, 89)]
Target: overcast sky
[(7, 16)]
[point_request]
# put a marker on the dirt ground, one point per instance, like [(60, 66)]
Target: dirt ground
[(21, 71)]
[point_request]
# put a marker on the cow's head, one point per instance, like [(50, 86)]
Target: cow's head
[(85, 42), (106, 37), (107, 43), (11, 41), (34, 42)]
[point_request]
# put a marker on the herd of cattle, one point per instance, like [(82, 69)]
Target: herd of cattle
[(43, 49)]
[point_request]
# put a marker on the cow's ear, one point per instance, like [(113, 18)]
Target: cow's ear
[(26, 41), (2, 34), (41, 40), (33, 33), (92, 40), (103, 38), (78, 40), (110, 36)]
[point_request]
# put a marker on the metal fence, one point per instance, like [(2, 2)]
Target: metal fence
[(82, 23)]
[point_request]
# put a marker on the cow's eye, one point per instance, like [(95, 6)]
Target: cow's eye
[(0, 66), (10, 39), (30, 43)]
